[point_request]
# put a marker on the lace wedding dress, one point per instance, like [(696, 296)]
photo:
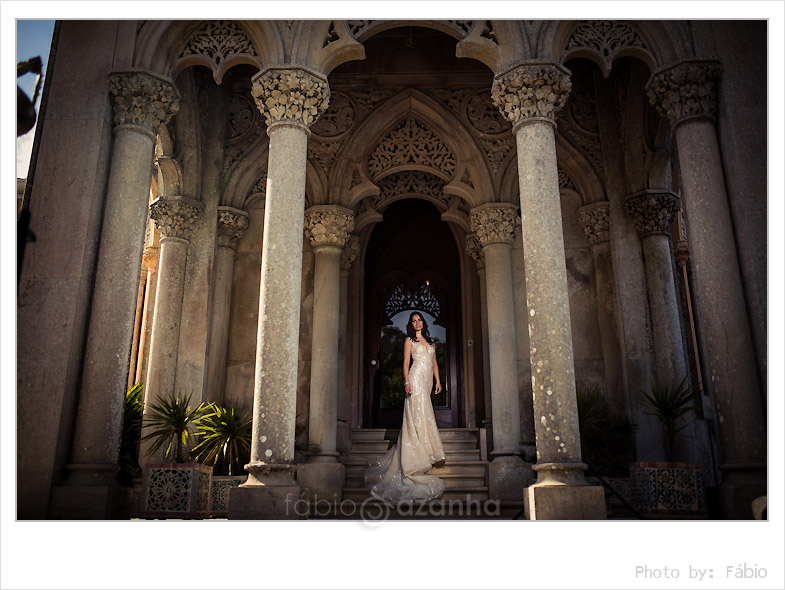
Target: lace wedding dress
[(399, 476)]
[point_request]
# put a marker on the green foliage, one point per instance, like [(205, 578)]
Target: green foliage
[(224, 433), (392, 392), (606, 435), (668, 403), (169, 423), (133, 407)]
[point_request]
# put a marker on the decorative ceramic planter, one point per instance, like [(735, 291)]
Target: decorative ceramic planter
[(219, 497), (668, 490), (177, 490)]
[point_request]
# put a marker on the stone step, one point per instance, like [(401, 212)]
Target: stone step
[(450, 456), (382, 447), (457, 493), (357, 469), (381, 434), (451, 480)]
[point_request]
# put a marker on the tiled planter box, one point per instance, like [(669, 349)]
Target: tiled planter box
[(177, 490), (668, 490), (219, 497)]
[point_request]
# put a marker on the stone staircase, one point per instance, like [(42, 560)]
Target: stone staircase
[(464, 471)]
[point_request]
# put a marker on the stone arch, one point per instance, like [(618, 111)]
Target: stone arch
[(163, 46), (654, 43), (245, 175), (431, 115)]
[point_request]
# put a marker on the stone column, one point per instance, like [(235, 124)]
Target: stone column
[(529, 96), (474, 248), (150, 261), (494, 226), (595, 220), (231, 225), (652, 212), (142, 102), (175, 218), (327, 227), (290, 99), (350, 252), (137, 326), (685, 93)]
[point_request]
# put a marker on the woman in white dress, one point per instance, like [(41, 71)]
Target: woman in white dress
[(399, 476)]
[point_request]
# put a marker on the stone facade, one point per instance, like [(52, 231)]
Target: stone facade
[(559, 157)]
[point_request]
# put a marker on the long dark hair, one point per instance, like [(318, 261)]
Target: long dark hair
[(412, 333)]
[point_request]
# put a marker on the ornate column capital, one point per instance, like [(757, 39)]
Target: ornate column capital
[(231, 225), (142, 99), (494, 223), (150, 258), (474, 249), (175, 217), (685, 90), (595, 220), (652, 211), (531, 91), (350, 251), (290, 95), (681, 252), (328, 225)]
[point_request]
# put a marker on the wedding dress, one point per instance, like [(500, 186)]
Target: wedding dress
[(399, 476)]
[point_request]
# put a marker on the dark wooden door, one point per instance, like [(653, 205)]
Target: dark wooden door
[(412, 265)]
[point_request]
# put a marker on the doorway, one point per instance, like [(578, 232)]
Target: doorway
[(412, 264)]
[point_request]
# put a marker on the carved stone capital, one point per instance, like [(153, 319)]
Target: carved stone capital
[(595, 220), (290, 95), (685, 90), (653, 211), (231, 225), (175, 217), (474, 249), (681, 252), (150, 258), (350, 252), (143, 99), (328, 225), (494, 223), (531, 91)]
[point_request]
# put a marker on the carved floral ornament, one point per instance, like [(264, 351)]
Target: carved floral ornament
[(175, 217), (232, 223), (350, 251), (595, 221), (143, 99), (653, 211), (605, 38), (474, 249), (494, 225), (535, 90), (290, 95), (217, 41), (685, 90), (411, 143), (328, 225)]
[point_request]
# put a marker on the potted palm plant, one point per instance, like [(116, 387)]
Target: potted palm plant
[(670, 488), (176, 489), (224, 434)]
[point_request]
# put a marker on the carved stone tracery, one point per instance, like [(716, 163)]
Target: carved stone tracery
[(217, 41), (411, 143), (421, 299), (605, 38), (410, 182), (350, 251)]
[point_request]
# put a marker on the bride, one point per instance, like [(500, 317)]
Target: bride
[(399, 476)]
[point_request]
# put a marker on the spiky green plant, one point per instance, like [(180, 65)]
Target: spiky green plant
[(668, 403), (170, 422), (224, 433), (133, 407)]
